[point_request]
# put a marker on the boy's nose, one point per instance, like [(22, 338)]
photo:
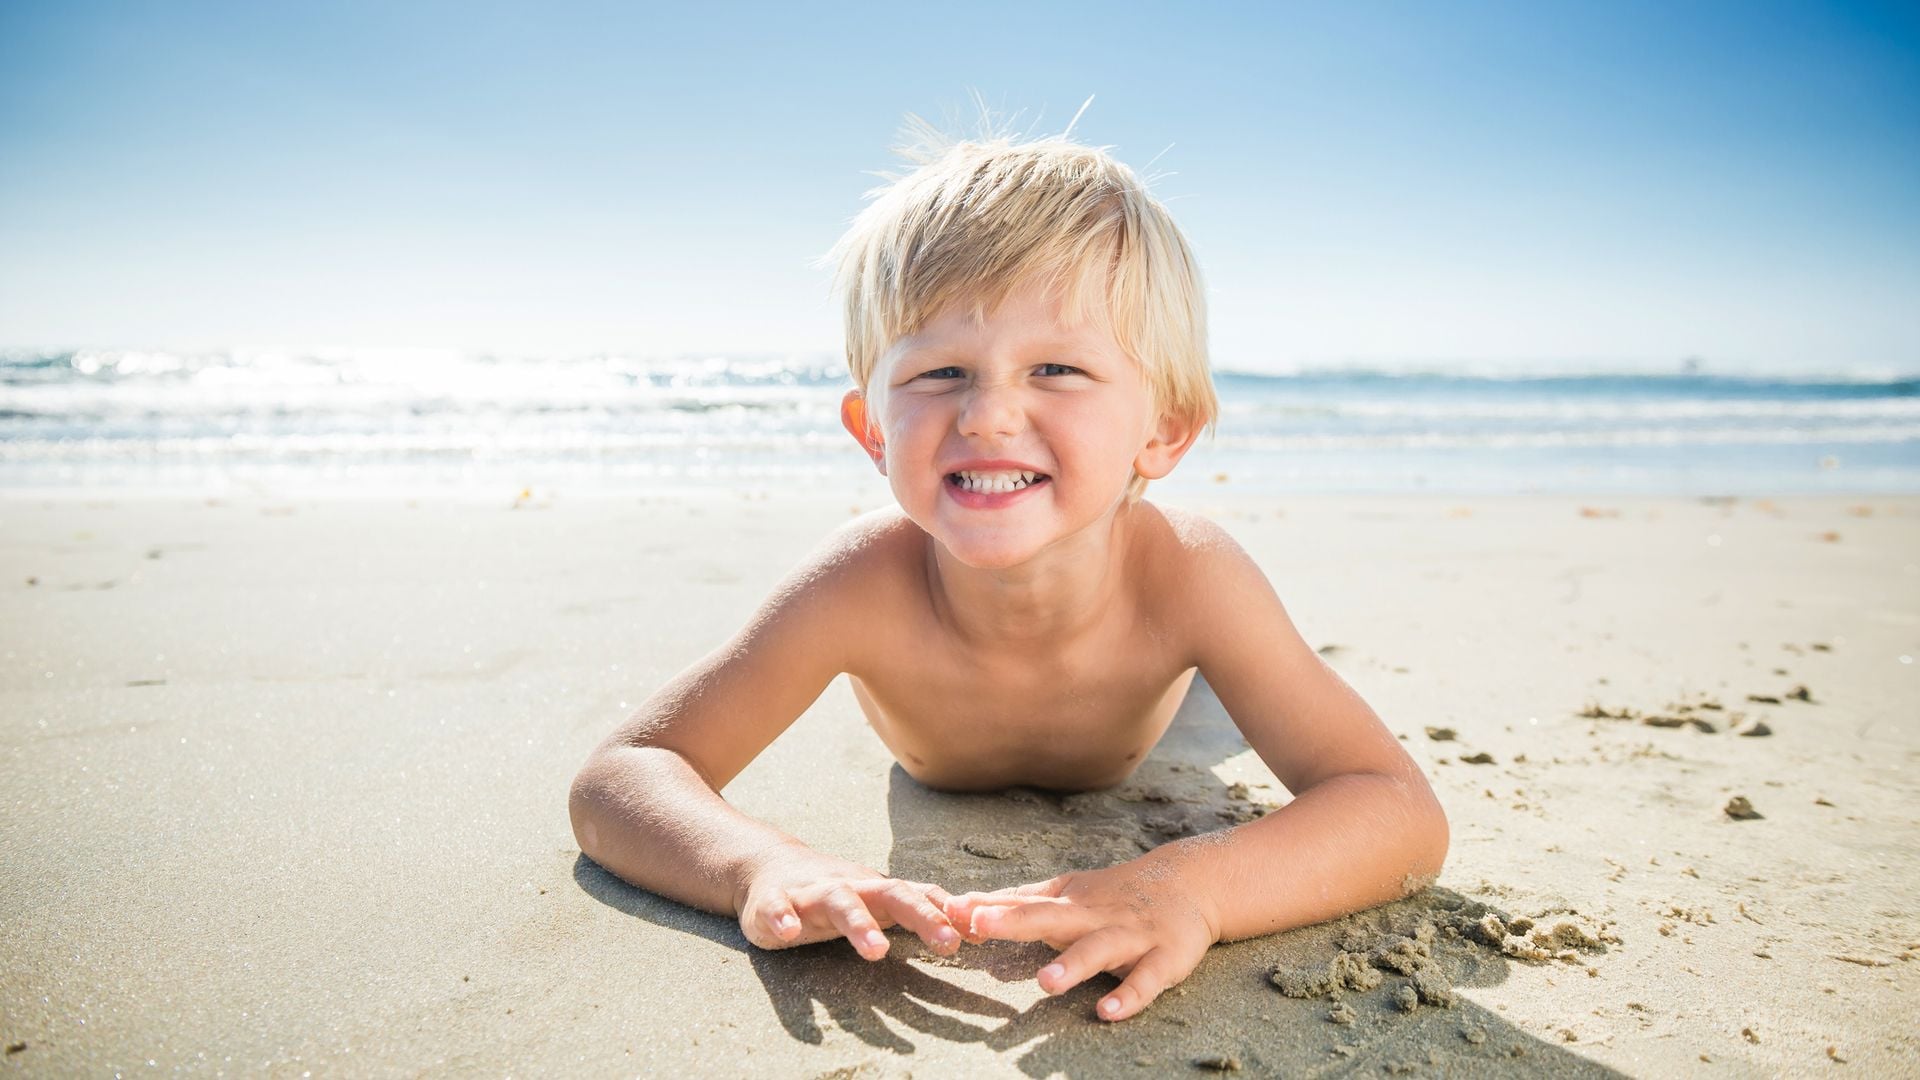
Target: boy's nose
[(992, 411)]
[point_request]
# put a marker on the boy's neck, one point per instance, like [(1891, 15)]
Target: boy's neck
[(1056, 596)]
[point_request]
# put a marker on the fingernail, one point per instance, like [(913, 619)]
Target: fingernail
[(945, 936), (1110, 1007), (876, 939), (785, 923), (1052, 973)]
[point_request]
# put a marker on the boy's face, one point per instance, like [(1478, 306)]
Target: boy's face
[(967, 410)]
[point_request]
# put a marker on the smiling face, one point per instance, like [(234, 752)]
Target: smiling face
[(1004, 438)]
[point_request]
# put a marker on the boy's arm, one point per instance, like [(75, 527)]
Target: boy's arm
[(1364, 826), (646, 804)]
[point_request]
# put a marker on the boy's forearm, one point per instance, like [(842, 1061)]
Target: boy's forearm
[(647, 816), (1343, 845)]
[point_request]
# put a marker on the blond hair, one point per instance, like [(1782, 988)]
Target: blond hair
[(980, 218)]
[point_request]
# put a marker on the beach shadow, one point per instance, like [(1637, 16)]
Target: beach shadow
[(1227, 1009), (866, 999)]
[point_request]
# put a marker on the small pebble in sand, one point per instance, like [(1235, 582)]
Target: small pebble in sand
[(1834, 1053), (1403, 955), (1821, 800), (1441, 734), (1481, 758), (1739, 809), (1474, 1035), (1800, 693), (1217, 1063), (990, 847), (1763, 699), (1407, 998), (1758, 729), (1342, 1013), (1750, 1035), (1433, 988)]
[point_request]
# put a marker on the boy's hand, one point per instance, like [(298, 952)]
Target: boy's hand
[(799, 896), (1138, 920)]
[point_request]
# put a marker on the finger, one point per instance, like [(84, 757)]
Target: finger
[(1049, 887), (852, 919), (961, 910), (935, 893), (1109, 948), (1151, 976), (1037, 919), (968, 902), (911, 908), (778, 916)]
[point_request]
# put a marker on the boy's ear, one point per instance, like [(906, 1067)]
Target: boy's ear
[(1167, 443), (853, 416)]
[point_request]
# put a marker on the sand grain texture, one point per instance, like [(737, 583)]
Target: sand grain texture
[(285, 790)]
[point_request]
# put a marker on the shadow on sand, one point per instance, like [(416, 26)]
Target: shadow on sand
[(1227, 1009)]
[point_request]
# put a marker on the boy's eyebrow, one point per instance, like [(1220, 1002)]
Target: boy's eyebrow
[(923, 352)]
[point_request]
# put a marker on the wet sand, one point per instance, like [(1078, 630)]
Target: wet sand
[(286, 787)]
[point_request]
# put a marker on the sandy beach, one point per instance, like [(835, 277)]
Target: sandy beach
[(285, 785)]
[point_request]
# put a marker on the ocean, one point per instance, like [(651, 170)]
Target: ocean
[(385, 421)]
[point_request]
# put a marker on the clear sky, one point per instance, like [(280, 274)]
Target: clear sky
[(1530, 181)]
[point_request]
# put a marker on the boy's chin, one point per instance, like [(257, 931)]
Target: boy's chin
[(980, 549), (996, 559)]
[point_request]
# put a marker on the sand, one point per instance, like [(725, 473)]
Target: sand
[(285, 787)]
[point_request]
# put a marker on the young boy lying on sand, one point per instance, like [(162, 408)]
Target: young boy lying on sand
[(1026, 331)]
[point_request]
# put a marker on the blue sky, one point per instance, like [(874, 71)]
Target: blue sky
[(1513, 182)]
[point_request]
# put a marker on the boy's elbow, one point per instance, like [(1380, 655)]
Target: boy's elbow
[(585, 798), (610, 793), (1428, 827), (605, 789)]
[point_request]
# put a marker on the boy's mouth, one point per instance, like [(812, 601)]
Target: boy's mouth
[(996, 482)]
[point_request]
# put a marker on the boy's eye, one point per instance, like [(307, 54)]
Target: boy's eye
[(1058, 369), (941, 373)]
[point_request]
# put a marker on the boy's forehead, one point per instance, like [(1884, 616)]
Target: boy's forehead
[(1025, 322)]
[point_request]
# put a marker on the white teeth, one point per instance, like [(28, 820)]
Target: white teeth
[(995, 483)]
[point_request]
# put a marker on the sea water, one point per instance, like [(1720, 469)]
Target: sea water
[(370, 421)]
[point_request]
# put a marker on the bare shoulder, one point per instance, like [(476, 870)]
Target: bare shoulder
[(1195, 534), (873, 550), (1197, 576), (852, 577), (1181, 544)]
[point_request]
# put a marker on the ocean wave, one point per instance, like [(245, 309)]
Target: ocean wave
[(597, 445)]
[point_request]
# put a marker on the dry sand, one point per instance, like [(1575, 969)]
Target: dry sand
[(285, 787)]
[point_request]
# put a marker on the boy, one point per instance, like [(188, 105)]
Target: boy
[(1026, 333)]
